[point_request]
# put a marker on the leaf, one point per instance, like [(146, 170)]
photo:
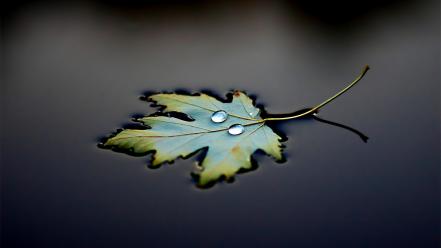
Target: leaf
[(228, 152), (170, 137)]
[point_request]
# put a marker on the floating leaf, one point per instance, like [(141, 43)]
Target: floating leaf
[(230, 131), (229, 149)]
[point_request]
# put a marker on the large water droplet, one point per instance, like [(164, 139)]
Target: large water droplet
[(219, 116), (236, 129)]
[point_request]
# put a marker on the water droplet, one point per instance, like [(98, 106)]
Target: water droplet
[(254, 113), (236, 129), (219, 116)]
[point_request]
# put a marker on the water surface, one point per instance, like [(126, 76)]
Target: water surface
[(74, 72)]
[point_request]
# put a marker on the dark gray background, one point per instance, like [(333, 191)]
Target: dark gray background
[(72, 73)]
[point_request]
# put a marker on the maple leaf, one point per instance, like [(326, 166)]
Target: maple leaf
[(230, 142), (231, 131)]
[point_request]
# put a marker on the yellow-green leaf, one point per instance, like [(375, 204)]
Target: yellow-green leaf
[(170, 137)]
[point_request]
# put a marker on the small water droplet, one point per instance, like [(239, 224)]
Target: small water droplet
[(254, 113), (236, 129), (219, 116)]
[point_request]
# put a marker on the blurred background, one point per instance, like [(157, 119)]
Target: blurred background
[(72, 72)]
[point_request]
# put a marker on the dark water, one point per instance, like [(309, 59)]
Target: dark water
[(73, 73)]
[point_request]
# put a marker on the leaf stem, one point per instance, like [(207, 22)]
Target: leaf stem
[(313, 110)]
